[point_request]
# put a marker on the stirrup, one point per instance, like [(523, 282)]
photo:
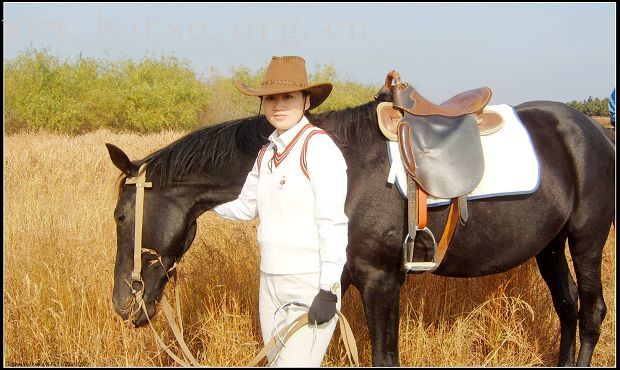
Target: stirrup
[(409, 264)]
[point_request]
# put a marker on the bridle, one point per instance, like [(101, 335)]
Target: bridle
[(137, 284), (137, 291)]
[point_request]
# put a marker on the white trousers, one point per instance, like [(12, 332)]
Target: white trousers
[(307, 347)]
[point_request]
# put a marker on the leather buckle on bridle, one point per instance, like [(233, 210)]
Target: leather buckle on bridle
[(134, 290)]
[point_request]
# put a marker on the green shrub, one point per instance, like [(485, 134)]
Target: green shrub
[(344, 94), (226, 101), (592, 107), (42, 92), (160, 94)]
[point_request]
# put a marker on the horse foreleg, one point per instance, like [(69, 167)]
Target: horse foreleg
[(380, 292), (554, 270)]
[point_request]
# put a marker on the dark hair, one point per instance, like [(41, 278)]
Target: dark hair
[(304, 95)]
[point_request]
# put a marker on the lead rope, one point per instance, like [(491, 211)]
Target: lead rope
[(346, 334)]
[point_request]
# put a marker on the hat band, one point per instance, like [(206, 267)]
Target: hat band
[(283, 82)]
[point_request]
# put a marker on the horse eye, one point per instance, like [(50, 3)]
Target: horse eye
[(120, 218)]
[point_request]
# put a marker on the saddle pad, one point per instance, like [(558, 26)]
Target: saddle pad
[(510, 163)]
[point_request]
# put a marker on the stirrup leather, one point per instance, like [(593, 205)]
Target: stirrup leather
[(417, 212)]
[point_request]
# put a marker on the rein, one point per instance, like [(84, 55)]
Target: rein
[(137, 290)]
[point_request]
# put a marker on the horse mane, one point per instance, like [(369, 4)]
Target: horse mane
[(350, 126), (207, 147), (213, 146)]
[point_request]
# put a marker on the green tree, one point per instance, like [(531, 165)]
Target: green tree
[(592, 106)]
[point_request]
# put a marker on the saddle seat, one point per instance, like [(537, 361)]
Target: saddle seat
[(409, 99), (389, 117)]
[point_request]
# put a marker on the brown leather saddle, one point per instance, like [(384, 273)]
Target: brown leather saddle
[(487, 120), (441, 152)]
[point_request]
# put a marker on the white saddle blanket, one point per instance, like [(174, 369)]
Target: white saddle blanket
[(510, 163)]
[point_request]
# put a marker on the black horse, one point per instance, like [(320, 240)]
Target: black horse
[(574, 202)]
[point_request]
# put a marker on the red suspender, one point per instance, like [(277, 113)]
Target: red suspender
[(304, 150), (261, 153), (279, 157), (302, 158)]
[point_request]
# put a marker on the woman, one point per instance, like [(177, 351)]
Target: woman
[(297, 187)]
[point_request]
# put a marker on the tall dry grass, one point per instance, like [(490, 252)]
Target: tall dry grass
[(59, 249)]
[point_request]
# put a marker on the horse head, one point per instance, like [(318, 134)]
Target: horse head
[(178, 183), (163, 243)]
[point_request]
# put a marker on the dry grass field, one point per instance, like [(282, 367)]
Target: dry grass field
[(59, 250), (604, 121)]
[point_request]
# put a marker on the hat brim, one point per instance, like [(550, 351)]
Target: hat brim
[(318, 92)]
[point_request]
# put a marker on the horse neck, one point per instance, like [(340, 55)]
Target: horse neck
[(358, 144), (218, 186)]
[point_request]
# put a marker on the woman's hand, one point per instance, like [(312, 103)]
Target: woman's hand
[(323, 307)]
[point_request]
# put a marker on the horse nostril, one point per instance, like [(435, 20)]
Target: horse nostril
[(122, 312)]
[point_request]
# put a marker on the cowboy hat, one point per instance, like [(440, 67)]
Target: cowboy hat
[(288, 74)]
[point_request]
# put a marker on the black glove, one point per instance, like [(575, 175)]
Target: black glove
[(323, 307)]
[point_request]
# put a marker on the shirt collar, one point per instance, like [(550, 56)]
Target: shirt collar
[(281, 141)]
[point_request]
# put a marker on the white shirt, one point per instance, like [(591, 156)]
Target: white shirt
[(303, 227)]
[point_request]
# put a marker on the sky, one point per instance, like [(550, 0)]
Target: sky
[(522, 51)]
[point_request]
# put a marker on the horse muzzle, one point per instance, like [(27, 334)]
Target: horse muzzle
[(129, 310), (139, 317)]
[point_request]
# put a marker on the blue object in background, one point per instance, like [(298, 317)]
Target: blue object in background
[(612, 108)]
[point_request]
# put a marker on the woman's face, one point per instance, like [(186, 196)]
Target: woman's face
[(283, 111)]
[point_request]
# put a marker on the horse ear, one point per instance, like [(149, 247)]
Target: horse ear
[(121, 161)]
